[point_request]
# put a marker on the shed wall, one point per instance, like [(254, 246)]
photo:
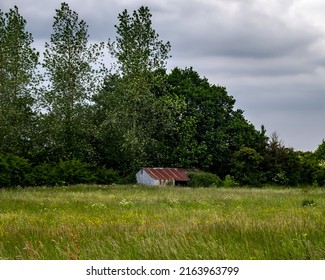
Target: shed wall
[(143, 178)]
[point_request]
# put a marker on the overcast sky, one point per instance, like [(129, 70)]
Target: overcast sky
[(269, 54)]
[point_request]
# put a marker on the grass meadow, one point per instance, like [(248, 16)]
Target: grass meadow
[(137, 222)]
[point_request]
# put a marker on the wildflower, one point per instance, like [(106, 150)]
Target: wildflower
[(99, 205), (125, 202)]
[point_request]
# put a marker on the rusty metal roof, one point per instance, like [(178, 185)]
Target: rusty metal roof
[(161, 173)]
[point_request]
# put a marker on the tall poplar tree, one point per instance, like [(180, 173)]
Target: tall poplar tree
[(128, 100), (73, 78), (18, 62), (137, 46)]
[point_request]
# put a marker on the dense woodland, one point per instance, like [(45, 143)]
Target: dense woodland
[(66, 117)]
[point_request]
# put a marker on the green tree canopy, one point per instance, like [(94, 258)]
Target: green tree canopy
[(320, 151), (70, 63), (137, 46), (18, 62), (126, 107), (214, 129)]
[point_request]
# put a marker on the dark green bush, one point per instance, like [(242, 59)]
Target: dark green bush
[(319, 176), (229, 181), (14, 171), (17, 171), (129, 179), (74, 172), (204, 179), (4, 172), (106, 176), (45, 174)]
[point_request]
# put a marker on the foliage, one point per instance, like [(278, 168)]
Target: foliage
[(229, 181), (14, 171), (211, 130), (247, 169), (46, 174), (17, 171), (72, 80), (320, 151), (318, 164), (309, 168), (128, 179), (106, 176), (282, 165), (204, 179), (73, 172), (319, 177), (137, 47), (80, 123), (126, 106), (18, 61)]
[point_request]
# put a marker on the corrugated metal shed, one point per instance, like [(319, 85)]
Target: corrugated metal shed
[(161, 173)]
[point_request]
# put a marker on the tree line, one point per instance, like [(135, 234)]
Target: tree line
[(79, 120)]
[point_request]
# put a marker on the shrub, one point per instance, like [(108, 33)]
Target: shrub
[(106, 176), (4, 172), (229, 181), (14, 171), (247, 166), (280, 178), (319, 176), (45, 174), (129, 179), (204, 179), (73, 172)]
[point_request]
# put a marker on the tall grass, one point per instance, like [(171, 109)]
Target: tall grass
[(134, 222)]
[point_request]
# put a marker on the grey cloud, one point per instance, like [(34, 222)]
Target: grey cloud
[(271, 59), (245, 33)]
